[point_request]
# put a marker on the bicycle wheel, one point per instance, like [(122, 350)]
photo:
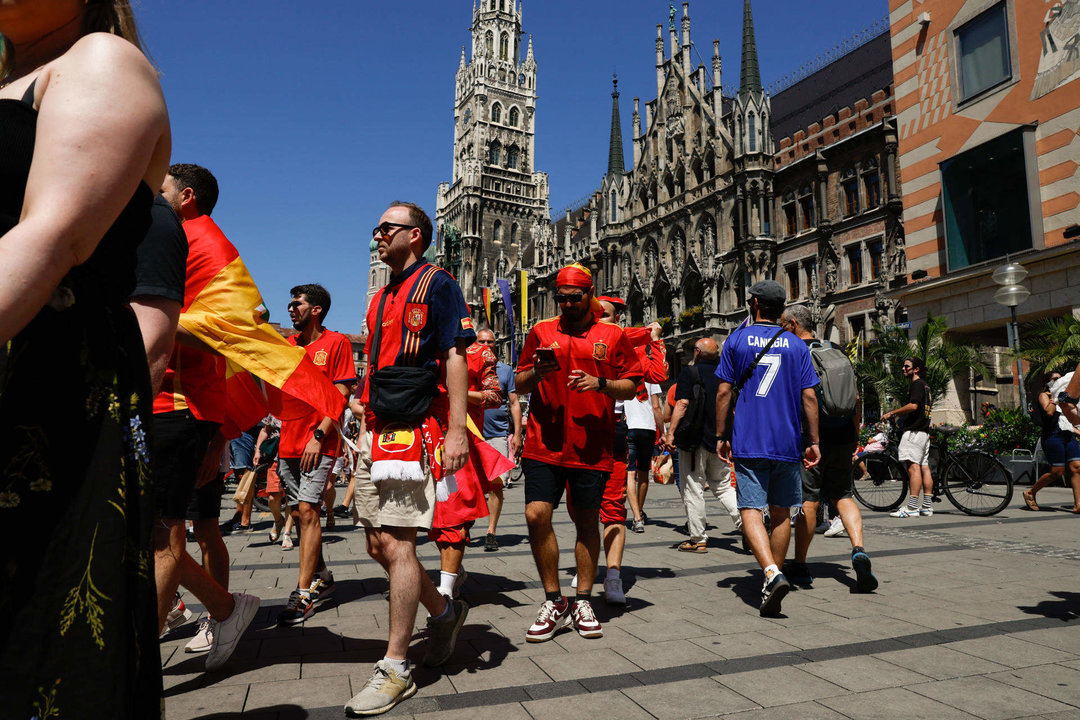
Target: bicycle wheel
[(977, 483), (884, 486)]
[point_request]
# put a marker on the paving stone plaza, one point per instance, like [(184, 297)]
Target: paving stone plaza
[(975, 617)]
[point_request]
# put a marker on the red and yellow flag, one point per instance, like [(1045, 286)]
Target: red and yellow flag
[(223, 309), (487, 305)]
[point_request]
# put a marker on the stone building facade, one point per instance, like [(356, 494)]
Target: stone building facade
[(726, 191)]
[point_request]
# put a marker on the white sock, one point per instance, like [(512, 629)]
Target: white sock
[(446, 583), (771, 571), (400, 666), (612, 573)]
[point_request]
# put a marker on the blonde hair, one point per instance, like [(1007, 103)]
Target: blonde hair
[(110, 16)]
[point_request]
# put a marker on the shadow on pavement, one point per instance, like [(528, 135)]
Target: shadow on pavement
[(1065, 609), (747, 588), (274, 712)]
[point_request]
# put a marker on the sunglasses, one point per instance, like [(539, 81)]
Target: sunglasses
[(384, 228), (570, 298), (293, 305)]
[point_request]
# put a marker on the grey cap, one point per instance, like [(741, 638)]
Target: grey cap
[(769, 291)]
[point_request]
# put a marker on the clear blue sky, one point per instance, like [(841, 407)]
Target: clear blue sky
[(314, 116)]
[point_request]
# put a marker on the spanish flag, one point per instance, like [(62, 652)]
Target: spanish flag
[(487, 305), (223, 309)]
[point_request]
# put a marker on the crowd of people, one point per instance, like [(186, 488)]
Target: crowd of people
[(118, 404)]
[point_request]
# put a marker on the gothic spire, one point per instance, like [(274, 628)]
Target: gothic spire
[(615, 164), (750, 77)]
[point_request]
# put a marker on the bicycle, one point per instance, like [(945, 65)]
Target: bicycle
[(975, 482)]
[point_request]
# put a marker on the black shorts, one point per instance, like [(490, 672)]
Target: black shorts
[(179, 445), (206, 501), (642, 443), (831, 478), (545, 483)]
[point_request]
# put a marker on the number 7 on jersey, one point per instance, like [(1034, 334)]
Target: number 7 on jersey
[(772, 367)]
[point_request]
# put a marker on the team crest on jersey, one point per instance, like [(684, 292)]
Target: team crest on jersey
[(320, 357), (415, 316), (599, 351), (397, 438), (466, 324)]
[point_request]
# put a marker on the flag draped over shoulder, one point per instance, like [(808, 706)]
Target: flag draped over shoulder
[(223, 309)]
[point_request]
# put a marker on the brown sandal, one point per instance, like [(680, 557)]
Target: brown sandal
[(693, 547), (1030, 501)]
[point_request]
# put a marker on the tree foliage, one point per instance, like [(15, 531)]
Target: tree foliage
[(882, 358), (1051, 344)]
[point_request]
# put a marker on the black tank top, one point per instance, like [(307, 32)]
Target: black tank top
[(1050, 425)]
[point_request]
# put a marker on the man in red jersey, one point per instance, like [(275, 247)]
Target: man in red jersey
[(576, 368), (419, 320), (186, 445), (309, 445), (454, 516)]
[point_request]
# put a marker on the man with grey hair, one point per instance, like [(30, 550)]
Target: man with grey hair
[(831, 478), (699, 465)]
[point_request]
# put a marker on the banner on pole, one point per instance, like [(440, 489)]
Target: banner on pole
[(504, 289)]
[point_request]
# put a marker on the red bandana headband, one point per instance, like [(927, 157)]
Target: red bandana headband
[(574, 276)]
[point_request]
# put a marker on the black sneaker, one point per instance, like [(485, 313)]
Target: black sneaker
[(342, 512), (230, 525), (773, 594), (865, 582), (797, 573), (443, 634), (299, 608), (490, 543)]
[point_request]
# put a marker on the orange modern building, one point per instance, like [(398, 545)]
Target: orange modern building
[(988, 118)]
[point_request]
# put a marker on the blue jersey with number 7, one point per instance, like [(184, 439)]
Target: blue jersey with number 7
[(768, 417)]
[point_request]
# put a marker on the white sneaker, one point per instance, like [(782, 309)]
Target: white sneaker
[(904, 513), (203, 640), (926, 512), (383, 690), (226, 633), (836, 529), (178, 615), (613, 591)]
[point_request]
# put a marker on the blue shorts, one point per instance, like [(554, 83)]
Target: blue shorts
[(1061, 448), (242, 451), (762, 482)]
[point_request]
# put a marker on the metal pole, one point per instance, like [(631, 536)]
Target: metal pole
[(1019, 361)]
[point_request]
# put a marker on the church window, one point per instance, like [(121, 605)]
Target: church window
[(521, 79), (789, 215), (613, 206), (502, 5), (849, 188), (489, 41), (751, 132), (855, 264), (512, 157), (806, 208), (872, 183), (513, 234), (496, 113), (876, 250), (793, 282), (494, 153), (504, 47), (496, 231), (514, 117)]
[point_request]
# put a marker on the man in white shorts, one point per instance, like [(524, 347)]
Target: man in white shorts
[(914, 450)]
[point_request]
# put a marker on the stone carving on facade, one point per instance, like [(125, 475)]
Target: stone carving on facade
[(897, 264), (759, 258), (831, 272), (885, 307)]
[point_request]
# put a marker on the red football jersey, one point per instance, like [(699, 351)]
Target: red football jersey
[(332, 354), (484, 380), (566, 427)]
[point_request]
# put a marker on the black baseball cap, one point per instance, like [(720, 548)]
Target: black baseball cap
[(768, 291)]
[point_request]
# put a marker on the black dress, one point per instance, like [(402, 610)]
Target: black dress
[(78, 613)]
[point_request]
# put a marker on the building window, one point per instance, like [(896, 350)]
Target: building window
[(876, 250), (496, 113), (854, 255), (513, 234), (512, 157), (489, 41), (806, 207), (613, 206), (514, 117), (793, 282), (983, 52), (858, 327), (496, 231), (985, 198), (872, 184), (790, 218), (494, 154), (849, 189), (751, 132), (504, 47)]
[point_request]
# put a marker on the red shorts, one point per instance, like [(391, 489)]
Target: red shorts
[(273, 480), (451, 535), (613, 504)]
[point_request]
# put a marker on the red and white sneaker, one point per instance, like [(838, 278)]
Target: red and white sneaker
[(585, 621), (551, 617)]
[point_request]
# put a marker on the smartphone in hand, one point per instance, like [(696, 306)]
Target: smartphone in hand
[(546, 356)]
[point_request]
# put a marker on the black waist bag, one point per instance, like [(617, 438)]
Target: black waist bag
[(401, 394)]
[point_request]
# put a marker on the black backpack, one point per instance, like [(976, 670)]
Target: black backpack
[(688, 434)]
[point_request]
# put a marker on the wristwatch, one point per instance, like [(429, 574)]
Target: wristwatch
[(319, 434), (601, 384), (1063, 397)]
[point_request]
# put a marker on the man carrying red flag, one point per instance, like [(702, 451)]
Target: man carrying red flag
[(576, 368), (186, 442), (309, 445), (417, 395)]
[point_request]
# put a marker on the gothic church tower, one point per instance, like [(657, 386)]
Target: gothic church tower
[(487, 215)]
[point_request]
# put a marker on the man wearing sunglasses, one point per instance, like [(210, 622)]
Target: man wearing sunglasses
[(575, 367), (423, 323)]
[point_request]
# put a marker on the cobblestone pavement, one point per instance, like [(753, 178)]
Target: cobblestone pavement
[(975, 617)]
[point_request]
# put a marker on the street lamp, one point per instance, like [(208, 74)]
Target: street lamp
[(1012, 293)]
